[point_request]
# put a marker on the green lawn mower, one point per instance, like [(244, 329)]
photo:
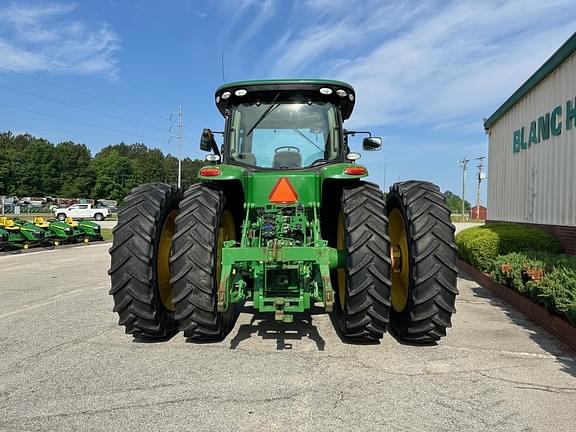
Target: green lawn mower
[(90, 230), (16, 237), (282, 218), (33, 234), (4, 239), (64, 232)]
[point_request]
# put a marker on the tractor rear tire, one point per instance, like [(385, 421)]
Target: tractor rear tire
[(362, 288), (203, 223), (140, 261), (424, 286)]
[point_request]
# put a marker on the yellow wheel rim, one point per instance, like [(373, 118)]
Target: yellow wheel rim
[(399, 255), (226, 231), (163, 261), (341, 246), (86, 240)]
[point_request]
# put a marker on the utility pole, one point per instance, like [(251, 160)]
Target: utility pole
[(480, 178), (180, 138), (464, 165)]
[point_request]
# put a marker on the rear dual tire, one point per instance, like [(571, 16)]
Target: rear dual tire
[(203, 224), (424, 272), (362, 287), (139, 261)]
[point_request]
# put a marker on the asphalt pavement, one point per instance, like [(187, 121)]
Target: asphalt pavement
[(65, 365)]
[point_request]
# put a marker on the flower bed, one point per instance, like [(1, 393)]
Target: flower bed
[(525, 259)]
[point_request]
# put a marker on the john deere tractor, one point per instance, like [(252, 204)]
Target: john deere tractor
[(281, 218)]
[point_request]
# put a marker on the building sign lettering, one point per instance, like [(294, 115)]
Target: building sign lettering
[(545, 126)]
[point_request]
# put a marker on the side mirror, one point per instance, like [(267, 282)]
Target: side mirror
[(207, 142), (372, 143)]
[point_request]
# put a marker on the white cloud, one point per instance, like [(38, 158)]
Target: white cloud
[(45, 37), (426, 62), (256, 15)]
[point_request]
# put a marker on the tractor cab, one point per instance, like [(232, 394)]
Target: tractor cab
[(284, 124)]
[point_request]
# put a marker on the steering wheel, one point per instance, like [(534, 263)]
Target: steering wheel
[(287, 148)]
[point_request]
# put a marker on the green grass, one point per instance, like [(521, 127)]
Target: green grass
[(107, 234)]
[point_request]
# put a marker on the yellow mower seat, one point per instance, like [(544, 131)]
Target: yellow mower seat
[(39, 222), (71, 221), (10, 225)]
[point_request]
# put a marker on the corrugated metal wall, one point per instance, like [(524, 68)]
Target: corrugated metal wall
[(538, 184)]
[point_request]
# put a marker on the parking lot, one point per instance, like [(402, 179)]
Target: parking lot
[(66, 365)]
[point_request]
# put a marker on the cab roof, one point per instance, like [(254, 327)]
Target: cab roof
[(268, 89)]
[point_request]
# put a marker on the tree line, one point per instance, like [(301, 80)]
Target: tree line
[(31, 166), (454, 202)]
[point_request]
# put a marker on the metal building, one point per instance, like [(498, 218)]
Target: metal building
[(532, 150)]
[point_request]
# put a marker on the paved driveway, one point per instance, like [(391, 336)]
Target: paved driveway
[(66, 365)]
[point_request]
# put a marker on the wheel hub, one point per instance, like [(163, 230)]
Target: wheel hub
[(399, 257), (396, 256)]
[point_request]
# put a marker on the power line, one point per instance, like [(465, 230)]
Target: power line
[(84, 123), (84, 93), (82, 108)]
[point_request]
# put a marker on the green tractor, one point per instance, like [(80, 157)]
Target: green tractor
[(281, 218)]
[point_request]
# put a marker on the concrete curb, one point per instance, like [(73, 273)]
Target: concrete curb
[(558, 327)]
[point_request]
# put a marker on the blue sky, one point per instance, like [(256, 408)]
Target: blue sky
[(425, 72)]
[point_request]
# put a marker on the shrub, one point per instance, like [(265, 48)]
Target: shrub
[(481, 245), (546, 278), (519, 269), (557, 292)]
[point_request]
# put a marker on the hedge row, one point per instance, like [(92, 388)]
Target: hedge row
[(525, 259), (481, 245), (545, 278)]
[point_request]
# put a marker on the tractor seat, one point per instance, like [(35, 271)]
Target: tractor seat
[(3, 220), (39, 222), (248, 158), (287, 159), (71, 221), (10, 225)]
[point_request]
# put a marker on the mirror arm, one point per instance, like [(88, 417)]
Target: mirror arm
[(353, 133)]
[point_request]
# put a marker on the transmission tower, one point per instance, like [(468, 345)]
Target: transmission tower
[(179, 137)]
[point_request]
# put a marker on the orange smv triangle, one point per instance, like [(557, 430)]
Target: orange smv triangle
[(283, 192)]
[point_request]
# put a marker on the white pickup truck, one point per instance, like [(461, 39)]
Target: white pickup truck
[(82, 211)]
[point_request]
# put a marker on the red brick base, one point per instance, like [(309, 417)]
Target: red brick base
[(565, 234)]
